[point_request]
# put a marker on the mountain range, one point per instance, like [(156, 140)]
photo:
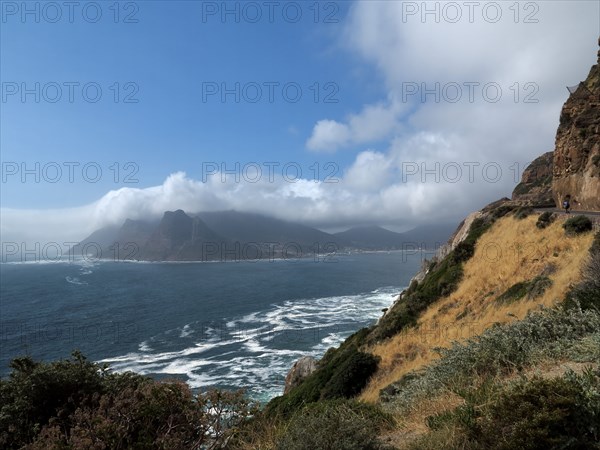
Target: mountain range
[(233, 235)]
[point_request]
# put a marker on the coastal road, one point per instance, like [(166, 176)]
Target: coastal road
[(574, 212), (593, 215)]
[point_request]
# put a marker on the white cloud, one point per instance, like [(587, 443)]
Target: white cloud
[(328, 136), (370, 172), (373, 123)]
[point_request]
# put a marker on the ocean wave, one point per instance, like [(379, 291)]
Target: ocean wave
[(75, 280), (255, 351), (38, 262)]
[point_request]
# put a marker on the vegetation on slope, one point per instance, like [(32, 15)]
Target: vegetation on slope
[(533, 384), (461, 399), (587, 292), (335, 425), (556, 334), (532, 413), (515, 269), (577, 225), (344, 372)]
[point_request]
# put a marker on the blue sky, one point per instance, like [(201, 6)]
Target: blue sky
[(169, 54), (361, 58)]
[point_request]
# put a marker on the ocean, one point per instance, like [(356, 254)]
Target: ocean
[(220, 324)]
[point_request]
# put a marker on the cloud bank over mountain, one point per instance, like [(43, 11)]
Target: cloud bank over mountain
[(465, 106)]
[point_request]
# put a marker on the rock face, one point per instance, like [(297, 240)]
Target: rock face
[(577, 152), (180, 237), (299, 371), (535, 188)]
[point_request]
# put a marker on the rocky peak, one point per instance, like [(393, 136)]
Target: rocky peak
[(176, 227), (535, 188)]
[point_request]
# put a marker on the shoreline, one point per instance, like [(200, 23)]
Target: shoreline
[(72, 260)]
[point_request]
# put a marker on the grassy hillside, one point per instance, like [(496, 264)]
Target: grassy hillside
[(511, 252)]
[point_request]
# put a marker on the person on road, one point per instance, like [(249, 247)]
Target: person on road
[(567, 204)]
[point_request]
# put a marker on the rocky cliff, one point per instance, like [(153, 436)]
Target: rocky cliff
[(576, 162), (535, 188)]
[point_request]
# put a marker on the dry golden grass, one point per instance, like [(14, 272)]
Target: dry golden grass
[(411, 426), (511, 251)]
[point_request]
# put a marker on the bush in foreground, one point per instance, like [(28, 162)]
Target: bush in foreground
[(544, 413), (76, 403)]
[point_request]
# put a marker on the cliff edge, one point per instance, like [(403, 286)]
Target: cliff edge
[(576, 165)]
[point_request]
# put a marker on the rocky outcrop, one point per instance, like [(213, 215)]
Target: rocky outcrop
[(576, 169), (459, 235), (535, 188), (299, 371)]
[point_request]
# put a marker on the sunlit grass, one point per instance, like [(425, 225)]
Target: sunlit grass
[(511, 251)]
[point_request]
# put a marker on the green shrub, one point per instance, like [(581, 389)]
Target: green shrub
[(532, 289), (400, 316), (514, 293), (463, 252), (523, 212), (334, 425), (351, 376), (538, 286), (480, 225), (577, 225), (544, 413), (76, 403), (464, 415), (545, 219), (502, 211), (36, 392)]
